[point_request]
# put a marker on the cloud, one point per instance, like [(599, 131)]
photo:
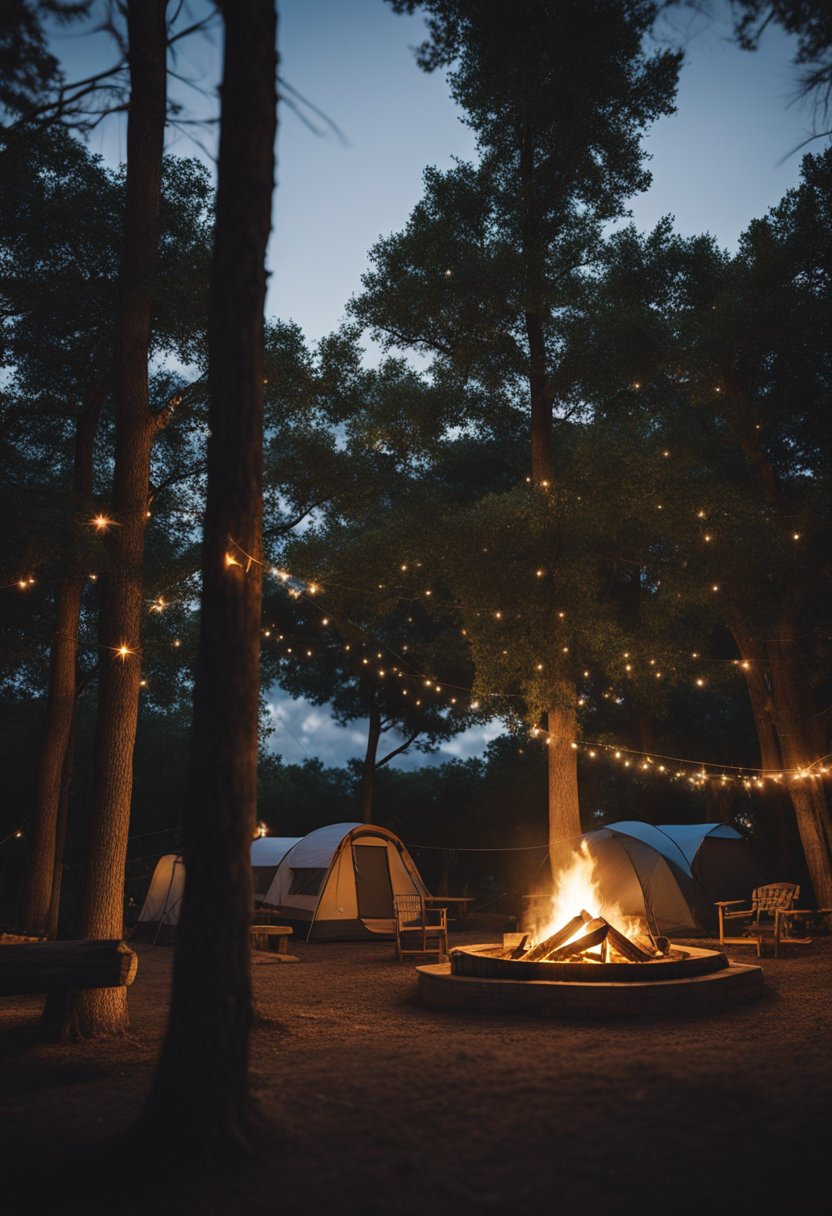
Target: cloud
[(303, 731)]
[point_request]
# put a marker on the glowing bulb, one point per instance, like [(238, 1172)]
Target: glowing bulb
[(101, 522), (123, 651), (231, 560)]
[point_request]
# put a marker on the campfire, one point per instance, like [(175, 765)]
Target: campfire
[(588, 939), (586, 958), (603, 935)]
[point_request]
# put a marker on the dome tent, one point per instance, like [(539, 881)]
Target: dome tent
[(160, 911), (672, 874), (338, 882), (644, 883), (720, 859)]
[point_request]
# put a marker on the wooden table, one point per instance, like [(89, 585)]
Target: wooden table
[(457, 905)]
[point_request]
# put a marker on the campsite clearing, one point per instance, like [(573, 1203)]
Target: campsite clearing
[(382, 1107)]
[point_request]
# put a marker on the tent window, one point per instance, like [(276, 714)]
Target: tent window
[(307, 881)]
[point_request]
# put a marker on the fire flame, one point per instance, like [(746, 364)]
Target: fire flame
[(577, 890)]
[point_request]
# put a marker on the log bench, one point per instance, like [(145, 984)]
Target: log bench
[(274, 938), (27, 967)]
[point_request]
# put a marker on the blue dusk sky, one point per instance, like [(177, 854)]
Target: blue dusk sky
[(725, 157)]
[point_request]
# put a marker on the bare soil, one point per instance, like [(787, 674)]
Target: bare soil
[(382, 1107)]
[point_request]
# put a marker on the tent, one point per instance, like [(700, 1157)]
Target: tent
[(338, 882), (160, 911), (672, 874), (721, 860)]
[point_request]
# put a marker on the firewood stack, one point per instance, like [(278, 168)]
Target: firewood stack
[(592, 931)]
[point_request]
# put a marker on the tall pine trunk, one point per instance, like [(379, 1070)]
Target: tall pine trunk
[(791, 737), (60, 711), (199, 1103), (62, 694), (562, 721), (802, 743), (104, 1011)]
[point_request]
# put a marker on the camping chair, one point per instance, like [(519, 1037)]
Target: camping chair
[(770, 906), (420, 929)]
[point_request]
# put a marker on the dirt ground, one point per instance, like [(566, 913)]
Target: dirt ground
[(382, 1107)]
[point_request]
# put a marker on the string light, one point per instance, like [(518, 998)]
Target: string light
[(749, 777)]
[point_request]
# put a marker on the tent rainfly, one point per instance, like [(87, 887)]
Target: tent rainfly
[(339, 882), (160, 911), (672, 874)]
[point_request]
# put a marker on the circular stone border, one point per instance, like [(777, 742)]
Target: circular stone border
[(483, 962), (715, 991)]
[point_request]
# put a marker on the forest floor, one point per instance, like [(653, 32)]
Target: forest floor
[(382, 1107)]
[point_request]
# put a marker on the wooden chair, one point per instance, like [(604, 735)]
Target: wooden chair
[(770, 907), (420, 929)]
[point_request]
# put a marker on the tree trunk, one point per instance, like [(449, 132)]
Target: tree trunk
[(101, 1012), (53, 918), (800, 736), (564, 807), (199, 1103), (369, 767), (62, 693), (60, 709), (774, 806)]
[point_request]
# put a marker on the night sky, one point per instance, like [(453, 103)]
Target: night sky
[(725, 157)]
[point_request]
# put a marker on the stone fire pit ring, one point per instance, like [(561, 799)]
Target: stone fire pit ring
[(701, 980), (484, 962)]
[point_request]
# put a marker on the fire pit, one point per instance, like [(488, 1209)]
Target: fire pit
[(604, 965)]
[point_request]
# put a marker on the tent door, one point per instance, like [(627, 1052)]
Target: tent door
[(372, 882)]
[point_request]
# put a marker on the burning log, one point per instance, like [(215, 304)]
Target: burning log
[(628, 949), (557, 939), (594, 933)]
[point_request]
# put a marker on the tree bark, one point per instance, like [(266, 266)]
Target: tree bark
[(564, 807), (67, 774), (800, 736), (61, 696), (199, 1104), (60, 709), (94, 1013)]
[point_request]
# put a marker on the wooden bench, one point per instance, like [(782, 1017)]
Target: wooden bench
[(273, 938), (34, 966)]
